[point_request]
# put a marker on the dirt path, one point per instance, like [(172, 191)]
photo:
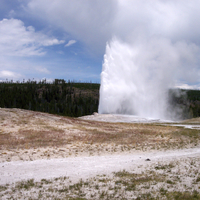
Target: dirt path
[(77, 168)]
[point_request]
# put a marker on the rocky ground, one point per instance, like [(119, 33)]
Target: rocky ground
[(87, 159)]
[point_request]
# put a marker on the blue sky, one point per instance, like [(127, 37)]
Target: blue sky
[(32, 46), (67, 39)]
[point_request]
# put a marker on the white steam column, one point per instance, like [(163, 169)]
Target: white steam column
[(135, 79)]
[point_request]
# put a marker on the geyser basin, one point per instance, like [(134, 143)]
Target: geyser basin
[(121, 118)]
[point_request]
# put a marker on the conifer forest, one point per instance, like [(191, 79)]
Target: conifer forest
[(60, 97)]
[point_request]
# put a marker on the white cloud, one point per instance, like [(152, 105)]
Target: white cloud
[(50, 42), (90, 22), (5, 74), (43, 70), (18, 40), (95, 22), (188, 87), (71, 42)]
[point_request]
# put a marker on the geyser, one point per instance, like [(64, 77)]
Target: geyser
[(136, 77)]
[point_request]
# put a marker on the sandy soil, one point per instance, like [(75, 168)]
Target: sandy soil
[(43, 155)]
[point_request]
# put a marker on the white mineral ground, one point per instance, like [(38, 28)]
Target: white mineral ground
[(77, 168), (135, 119), (122, 118)]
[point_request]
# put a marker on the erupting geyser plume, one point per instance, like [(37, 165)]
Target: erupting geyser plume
[(136, 76)]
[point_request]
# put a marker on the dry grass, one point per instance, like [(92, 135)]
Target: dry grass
[(21, 129), (192, 121), (31, 139), (115, 134)]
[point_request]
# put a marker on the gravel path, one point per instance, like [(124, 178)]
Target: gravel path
[(77, 168)]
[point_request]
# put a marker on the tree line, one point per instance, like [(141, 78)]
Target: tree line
[(60, 97), (187, 101), (77, 99)]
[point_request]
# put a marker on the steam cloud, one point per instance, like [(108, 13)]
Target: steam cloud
[(136, 76), (155, 47)]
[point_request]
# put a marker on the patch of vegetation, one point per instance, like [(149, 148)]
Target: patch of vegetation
[(169, 182), (46, 181), (3, 188), (191, 133), (187, 136), (163, 191), (198, 179), (146, 196), (163, 167), (183, 195), (26, 184), (131, 180)]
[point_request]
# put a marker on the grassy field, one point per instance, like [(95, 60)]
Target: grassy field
[(21, 129)]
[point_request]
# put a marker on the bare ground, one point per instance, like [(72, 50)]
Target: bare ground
[(32, 136)]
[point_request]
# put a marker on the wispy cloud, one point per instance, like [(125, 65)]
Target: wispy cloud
[(188, 87), (18, 40), (89, 22), (43, 70), (71, 42), (9, 75)]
